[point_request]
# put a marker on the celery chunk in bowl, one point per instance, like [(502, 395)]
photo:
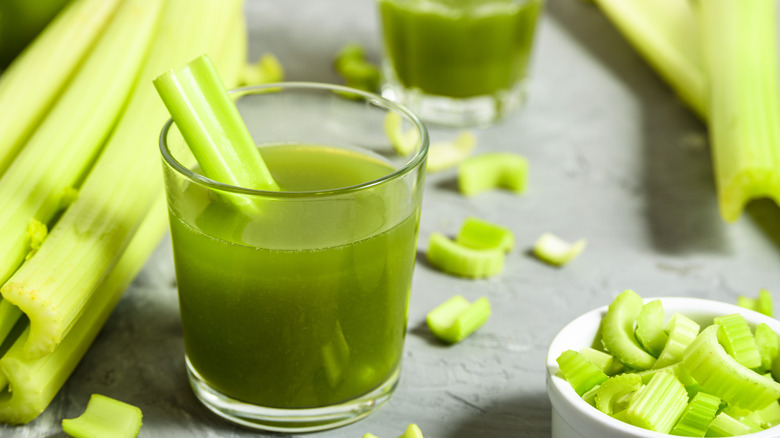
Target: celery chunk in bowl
[(574, 417)]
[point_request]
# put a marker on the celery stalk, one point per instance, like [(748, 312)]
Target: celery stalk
[(739, 40), (659, 405), (62, 149), (118, 192), (665, 33), (212, 127), (617, 331), (35, 382), (33, 82), (105, 417)]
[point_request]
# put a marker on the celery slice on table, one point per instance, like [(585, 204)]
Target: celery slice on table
[(767, 345), (761, 304), (481, 234), (413, 431), (581, 374), (735, 337), (659, 405), (212, 127), (650, 328), (456, 259), (457, 318), (117, 193), (266, 69), (105, 417), (725, 425), (682, 331), (604, 361), (444, 155), (739, 41), (617, 331), (697, 416), (613, 394), (497, 170), (404, 142), (665, 33), (34, 81), (556, 251), (33, 383), (357, 72), (720, 375)]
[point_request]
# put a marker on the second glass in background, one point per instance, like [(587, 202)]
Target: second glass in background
[(458, 62)]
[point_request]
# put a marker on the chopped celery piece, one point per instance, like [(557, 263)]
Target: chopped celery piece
[(556, 251), (605, 362), (491, 171), (761, 304), (456, 318), (617, 331), (105, 417), (720, 375), (579, 372), (767, 345), (770, 415), (413, 431), (480, 234), (665, 33), (118, 192), (456, 259), (590, 396), (735, 337), (613, 394), (36, 233), (650, 327), (740, 48), (357, 72), (35, 80), (266, 69), (444, 155), (212, 127), (697, 416), (725, 425), (659, 405), (750, 419), (682, 331), (404, 142)]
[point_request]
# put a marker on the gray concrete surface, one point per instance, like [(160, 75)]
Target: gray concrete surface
[(614, 158)]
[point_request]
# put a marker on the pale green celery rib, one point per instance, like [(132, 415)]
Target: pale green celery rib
[(105, 417), (35, 382), (617, 331), (665, 33), (741, 55), (90, 237), (659, 405), (36, 78)]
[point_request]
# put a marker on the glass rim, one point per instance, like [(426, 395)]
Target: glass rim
[(371, 98)]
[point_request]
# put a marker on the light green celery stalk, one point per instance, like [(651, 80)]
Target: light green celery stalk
[(54, 286), (739, 40), (64, 146), (665, 33), (36, 78), (35, 382)]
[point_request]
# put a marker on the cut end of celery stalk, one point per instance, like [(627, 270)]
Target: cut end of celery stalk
[(105, 417), (617, 331), (555, 251)]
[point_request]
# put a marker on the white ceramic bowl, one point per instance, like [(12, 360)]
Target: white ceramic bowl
[(572, 417)]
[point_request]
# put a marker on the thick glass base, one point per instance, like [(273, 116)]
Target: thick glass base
[(291, 420), (478, 111)]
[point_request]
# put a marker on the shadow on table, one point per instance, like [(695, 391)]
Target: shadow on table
[(677, 183), (520, 416)]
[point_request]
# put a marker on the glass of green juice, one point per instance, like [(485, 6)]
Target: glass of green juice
[(458, 62), (294, 303)]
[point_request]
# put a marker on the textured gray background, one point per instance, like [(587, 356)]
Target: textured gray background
[(614, 158)]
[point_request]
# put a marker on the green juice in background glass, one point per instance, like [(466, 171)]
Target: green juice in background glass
[(458, 62)]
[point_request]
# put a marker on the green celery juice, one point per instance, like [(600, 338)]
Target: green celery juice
[(459, 48), (304, 305)]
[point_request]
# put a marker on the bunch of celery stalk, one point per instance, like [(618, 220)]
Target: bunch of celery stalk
[(721, 58), (80, 183)]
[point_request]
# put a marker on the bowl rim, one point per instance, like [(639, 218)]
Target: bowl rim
[(566, 401)]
